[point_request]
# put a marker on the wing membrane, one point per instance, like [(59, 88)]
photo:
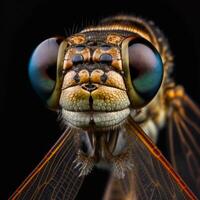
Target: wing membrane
[(55, 177), (151, 178), (121, 189), (184, 141)]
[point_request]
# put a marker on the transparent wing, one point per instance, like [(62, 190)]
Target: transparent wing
[(55, 177), (152, 177), (121, 189), (184, 141)]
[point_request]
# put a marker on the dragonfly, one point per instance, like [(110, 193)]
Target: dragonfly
[(113, 89)]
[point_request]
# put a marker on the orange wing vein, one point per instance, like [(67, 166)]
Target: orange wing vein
[(55, 177)]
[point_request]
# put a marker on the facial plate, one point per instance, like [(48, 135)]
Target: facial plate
[(105, 105)]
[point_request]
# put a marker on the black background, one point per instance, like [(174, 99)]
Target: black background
[(28, 129)]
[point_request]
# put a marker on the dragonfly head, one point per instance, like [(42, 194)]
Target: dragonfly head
[(98, 76)]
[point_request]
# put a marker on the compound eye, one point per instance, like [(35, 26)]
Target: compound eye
[(146, 69), (42, 67)]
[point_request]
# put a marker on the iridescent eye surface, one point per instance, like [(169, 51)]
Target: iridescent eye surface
[(146, 68), (42, 67)]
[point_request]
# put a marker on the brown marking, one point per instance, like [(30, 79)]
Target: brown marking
[(117, 64), (84, 76), (109, 98), (67, 64), (180, 91), (174, 92), (68, 58), (96, 55), (75, 98), (77, 39), (114, 52), (86, 54), (170, 94), (96, 76), (71, 52), (114, 39), (114, 79), (174, 98), (69, 79)]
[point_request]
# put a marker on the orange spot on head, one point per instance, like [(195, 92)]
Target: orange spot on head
[(77, 39), (114, 39)]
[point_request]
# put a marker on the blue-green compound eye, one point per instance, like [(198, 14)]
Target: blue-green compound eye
[(42, 67), (146, 69)]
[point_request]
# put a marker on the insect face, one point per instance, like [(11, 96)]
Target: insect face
[(97, 80), (93, 89)]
